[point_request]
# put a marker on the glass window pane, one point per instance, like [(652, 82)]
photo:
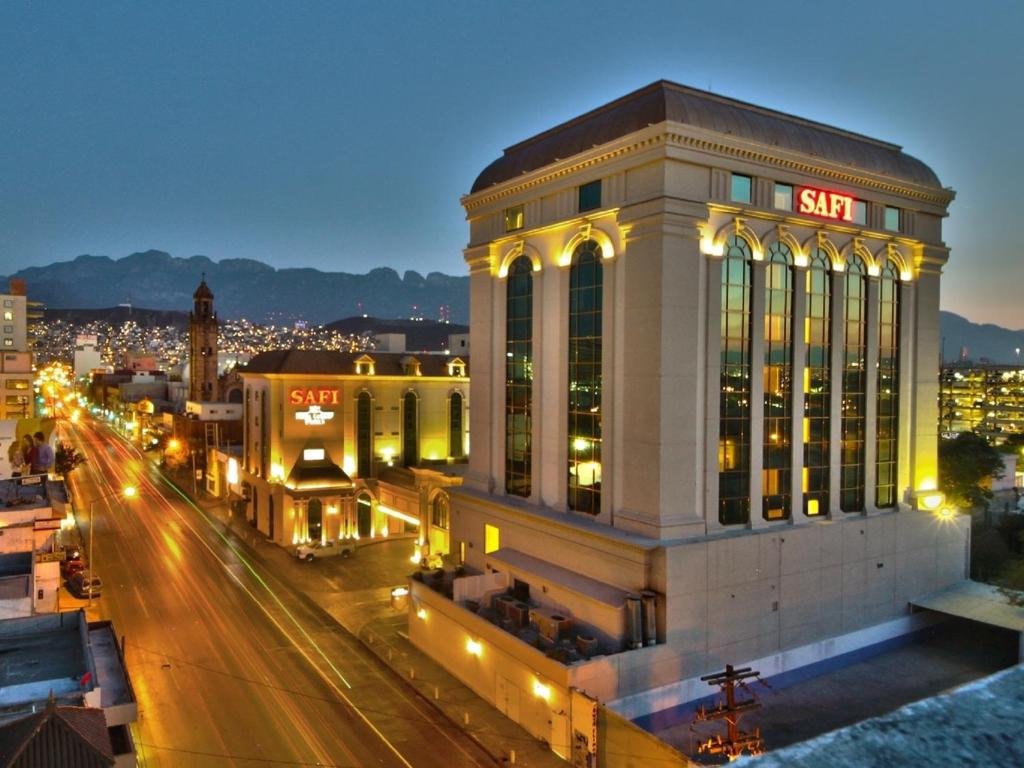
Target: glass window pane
[(784, 197), (740, 188), (590, 196)]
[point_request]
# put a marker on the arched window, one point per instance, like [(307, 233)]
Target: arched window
[(455, 431), (440, 512), (410, 430), (586, 281), (778, 387), (519, 377), (851, 483), (817, 384), (888, 387), (734, 381), (364, 434)]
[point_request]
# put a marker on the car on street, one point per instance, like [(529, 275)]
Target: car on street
[(315, 549), (71, 564), (84, 582)]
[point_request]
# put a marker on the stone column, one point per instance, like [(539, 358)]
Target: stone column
[(838, 326), (661, 379), (871, 394), (478, 475), (757, 307), (925, 368), (551, 410), (799, 364), (906, 390)]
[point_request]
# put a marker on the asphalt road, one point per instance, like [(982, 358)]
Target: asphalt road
[(230, 666)]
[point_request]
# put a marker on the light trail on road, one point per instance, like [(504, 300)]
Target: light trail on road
[(208, 629)]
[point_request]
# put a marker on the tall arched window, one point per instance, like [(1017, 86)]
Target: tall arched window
[(888, 386), (410, 430), (778, 388), (519, 377), (586, 281), (364, 434), (455, 431), (851, 483), (817, 384), (440, 512), (734, 379)]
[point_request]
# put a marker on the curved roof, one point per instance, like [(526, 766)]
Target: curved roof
[(203, 291), (665, 100)]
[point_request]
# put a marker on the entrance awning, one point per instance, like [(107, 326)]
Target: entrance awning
[(975, 601)]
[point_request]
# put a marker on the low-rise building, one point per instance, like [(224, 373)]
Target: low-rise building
[(348, 445), (67, 663), (17, 400)]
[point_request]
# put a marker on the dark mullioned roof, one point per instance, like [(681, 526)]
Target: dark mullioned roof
[(318, 362), (664, 100)]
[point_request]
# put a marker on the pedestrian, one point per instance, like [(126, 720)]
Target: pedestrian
[(42, 459), (16, 457), (28, 452)]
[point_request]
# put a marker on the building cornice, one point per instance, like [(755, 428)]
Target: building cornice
[(680, 136)]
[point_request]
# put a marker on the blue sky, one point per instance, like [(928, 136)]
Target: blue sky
[(340, 135)]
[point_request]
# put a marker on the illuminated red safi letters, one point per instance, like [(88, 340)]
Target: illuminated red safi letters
[(313, 396), (825, 204)]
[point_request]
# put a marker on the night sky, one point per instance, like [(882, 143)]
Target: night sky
[(341, 135)]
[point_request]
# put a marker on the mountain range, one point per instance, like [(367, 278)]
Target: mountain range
[(245, 288), (252, 289)]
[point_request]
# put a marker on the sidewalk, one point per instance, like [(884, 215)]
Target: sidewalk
[(367, 614)]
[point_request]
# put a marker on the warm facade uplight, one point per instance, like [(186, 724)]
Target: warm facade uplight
[(541, 691), (474, 647)]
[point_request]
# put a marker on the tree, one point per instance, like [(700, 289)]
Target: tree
[(66, 459), (964, 463)]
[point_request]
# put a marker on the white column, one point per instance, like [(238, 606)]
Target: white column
[(906, 390), (713, 387), (871, 395), (551, 412), (498, 360), (925, 369), (799, 360), (838, 307), (537, 390), (757, 306), (609, 390), (481, 333)]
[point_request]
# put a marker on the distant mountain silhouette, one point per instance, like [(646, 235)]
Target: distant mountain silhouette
[(979, 340), (244, 288)]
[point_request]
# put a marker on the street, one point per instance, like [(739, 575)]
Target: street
[(231, 666)]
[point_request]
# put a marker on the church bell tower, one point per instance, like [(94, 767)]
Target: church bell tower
[(202, 338)]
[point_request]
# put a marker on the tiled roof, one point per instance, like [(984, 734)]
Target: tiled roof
[(313, 362), (71, 737), (665, 100)]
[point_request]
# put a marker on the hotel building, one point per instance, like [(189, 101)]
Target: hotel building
[(352, 445), (705, 407)]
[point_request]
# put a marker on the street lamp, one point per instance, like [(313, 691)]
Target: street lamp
[(128, 492)]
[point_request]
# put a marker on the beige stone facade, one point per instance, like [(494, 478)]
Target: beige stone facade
[(341, 445), (666, 185)]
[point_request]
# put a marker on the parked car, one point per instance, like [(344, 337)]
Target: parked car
[(81, 583), (314, 549), (71, 564)]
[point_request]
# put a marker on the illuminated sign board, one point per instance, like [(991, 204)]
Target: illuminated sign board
[(825, 204), (315, 396), (314, 416)]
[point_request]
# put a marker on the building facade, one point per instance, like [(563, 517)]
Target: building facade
[(988, 399), (707, 345), (348, 445), (16, 383), (202, 341)]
